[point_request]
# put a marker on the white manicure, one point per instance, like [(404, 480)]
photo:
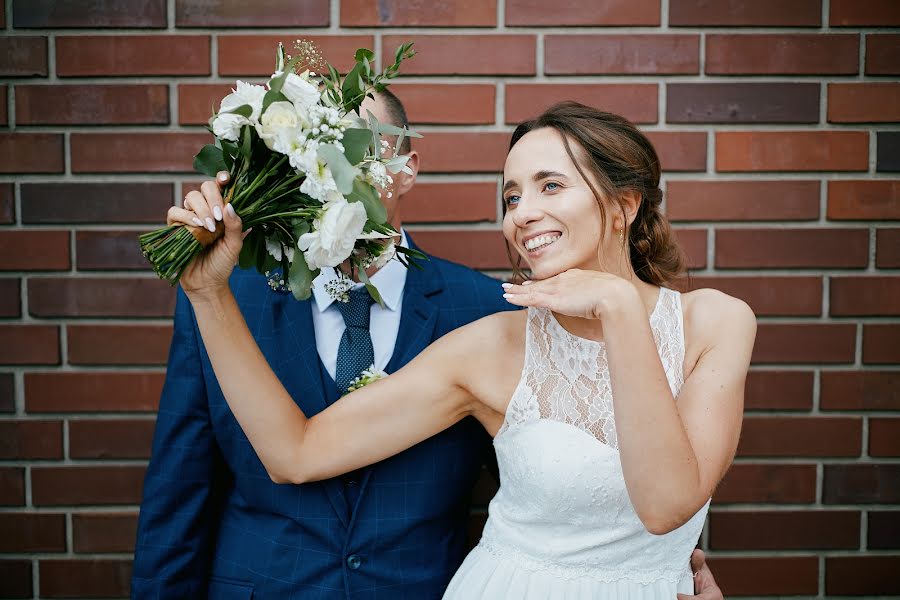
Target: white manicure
[(210, 225), (198, 222), (217, 212)]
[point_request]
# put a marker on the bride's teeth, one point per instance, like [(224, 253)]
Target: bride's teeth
[(541, 240)]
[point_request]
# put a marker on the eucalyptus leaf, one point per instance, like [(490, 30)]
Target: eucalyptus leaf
[(343, 172), (300, 277), (373, 291), (356, 143), (363, 54), (368, 195), (279, 57), (209, 160), (245, 110)]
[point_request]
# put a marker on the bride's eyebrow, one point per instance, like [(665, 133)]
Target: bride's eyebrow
[(537, 177)]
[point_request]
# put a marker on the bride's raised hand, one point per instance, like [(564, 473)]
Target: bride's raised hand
[(205, 212), (576, 292)]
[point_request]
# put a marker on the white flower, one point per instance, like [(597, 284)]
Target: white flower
[(227, 126), (275, 248), (300, 91), (281, 127), (378, 176), (319, 183), (367, 377), (244, 94), (389, 252), (334, 234)]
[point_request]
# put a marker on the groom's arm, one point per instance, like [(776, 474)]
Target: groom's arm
[(180, 509)]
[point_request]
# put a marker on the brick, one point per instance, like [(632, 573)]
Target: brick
[(47, 14), (771, 296), (680, 150), (792, 151), (880, 344), (791, 248), (110, 438), (104, 532), (29, 344), (16, 577), (884, 530), (887, 248), (882, 54), (784, 530), (740, 13), (23, 532), (443, 202), (100, 297), (31, 153), (888, 151), (131, 344), (7, 393), (864, 200), (479, 249), (412, 13), (12, 487), (588, 54), (92, 104), (767, 483), (693, 244), (474, 152), (30, 440), (782, 54), (784, 575), (265, 13), (4, 96), (582, 13), (865, 296), (62, 486), (24, 56), (742, 103), (92, 392), (742, 200), (489, 54), (100, 203), (7, 203), (255, 54), (861, 484), (10, 298), (860, 390), (84, 578), (831, 343), (136, 152), (119, 55), (637, 102), (863, 102), (778, 390), (454, 104), (801, 436), (197, 102), (884, 437), (109, 250), (862, 575), (23, 250), (875, 13)]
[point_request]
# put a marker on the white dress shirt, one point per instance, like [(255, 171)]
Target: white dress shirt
[(384, 322)]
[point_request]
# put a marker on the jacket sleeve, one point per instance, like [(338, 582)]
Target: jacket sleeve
[(184, 481)]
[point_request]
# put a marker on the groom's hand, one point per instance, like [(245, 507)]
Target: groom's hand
[(705, 586)]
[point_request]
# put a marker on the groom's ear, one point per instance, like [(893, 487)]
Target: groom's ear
[(403, 182)]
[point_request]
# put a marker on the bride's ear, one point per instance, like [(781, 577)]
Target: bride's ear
[(630, 202), (403, 182)]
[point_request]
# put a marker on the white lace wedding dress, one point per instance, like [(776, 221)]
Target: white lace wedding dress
[(561, 525)]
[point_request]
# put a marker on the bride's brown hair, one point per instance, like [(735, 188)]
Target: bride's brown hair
[(622, 159)]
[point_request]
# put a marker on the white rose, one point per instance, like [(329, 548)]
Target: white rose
[(390, 250), (334, 234), (319, 183), (300, 91), (244, 94), (227, 126), (280, 127)]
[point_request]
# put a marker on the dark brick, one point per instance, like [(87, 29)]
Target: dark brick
[(770, 296), (29, 250), (92, 104), (801, 436), (860, 390), (265, 13), (104, 532), (62, 486), (884, 530), (449, 54), (109, 250), (92, 392), (883, 54), (101, 297), (862, 575), (787, 343), (131, 344), (791, 248), (16, 577), (536, 13), (30, 344), (884, 437), (742, 103), (784, 530), (865, 296), (782, 54), (46, 14), (30, 440), (84, 578), (23, 56), (778, 390), (10, 298), (119, 55), (31, 153), (12, 487), (784, 575), (767, 483), (163, 152), (110, 438), (254, 54), (880, 343), (7, 393), (101, 203), (7, 203), (888, 154), (742, 200), (637, 102), (24, 532), (741, 13), (412, 13), (590, 54), (887, 248), (877, 13), (861, 484)]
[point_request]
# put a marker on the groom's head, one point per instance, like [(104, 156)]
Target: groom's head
[(387, 108)]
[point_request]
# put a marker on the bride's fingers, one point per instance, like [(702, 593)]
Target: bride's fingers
[(181, 216), (196, 202), (213, 195)]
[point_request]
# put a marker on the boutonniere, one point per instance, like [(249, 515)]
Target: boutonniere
[(367, 377)]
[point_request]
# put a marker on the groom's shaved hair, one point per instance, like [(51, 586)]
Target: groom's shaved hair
[(397, 114)]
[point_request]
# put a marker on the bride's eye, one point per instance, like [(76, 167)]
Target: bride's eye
[(511, 200), (555, 187)]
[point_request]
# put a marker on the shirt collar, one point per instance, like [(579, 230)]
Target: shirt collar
[(389, 279)]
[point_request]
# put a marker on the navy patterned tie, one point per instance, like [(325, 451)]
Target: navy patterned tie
[(355, 352)]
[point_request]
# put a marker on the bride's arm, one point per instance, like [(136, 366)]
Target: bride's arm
[(368, 425)]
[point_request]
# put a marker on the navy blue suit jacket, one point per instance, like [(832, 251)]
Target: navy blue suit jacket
[(212, 524)]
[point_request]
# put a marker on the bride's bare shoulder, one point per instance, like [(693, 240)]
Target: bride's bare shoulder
[(709, 312)]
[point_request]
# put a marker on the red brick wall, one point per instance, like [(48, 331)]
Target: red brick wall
[(777, 124)]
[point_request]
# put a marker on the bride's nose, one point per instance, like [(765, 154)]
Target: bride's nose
[(526, 213)]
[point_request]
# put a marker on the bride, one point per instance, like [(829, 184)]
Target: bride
[(615, 402)]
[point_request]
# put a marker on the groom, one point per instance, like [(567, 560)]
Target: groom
[(212, 523)]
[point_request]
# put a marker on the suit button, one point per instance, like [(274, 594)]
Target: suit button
[(354, 561)]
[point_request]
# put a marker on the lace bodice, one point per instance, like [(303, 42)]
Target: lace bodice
[(562, 506)]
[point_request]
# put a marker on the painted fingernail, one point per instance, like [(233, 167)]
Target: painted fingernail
[(223, 177), (507, 295), (210, 225), (230, 210), (197, 222), (506, 286), (217, 213)]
